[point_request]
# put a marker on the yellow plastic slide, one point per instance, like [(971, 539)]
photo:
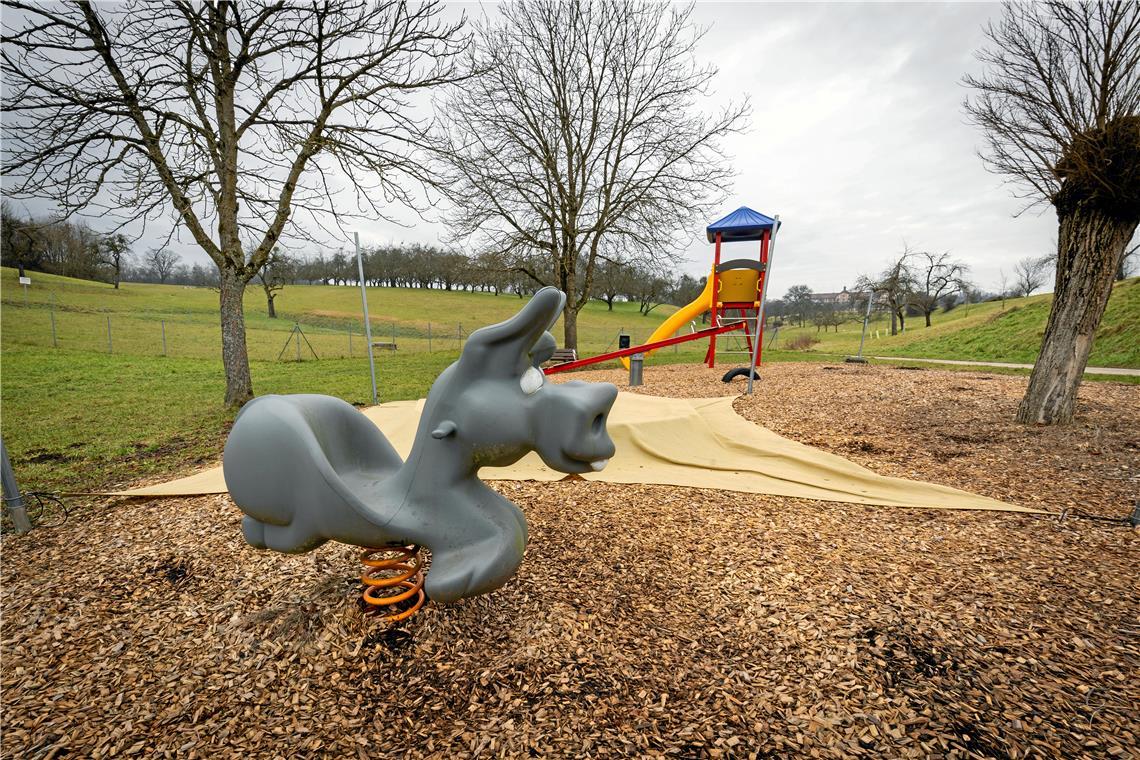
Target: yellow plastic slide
[(677, 320)]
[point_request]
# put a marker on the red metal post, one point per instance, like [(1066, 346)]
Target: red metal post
[(710, 357)]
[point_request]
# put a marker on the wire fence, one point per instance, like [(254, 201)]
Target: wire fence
[(192, 335), (198, 335)]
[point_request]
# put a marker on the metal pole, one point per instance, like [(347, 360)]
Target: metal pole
[(163, 321), (109, 345), (350, 343), (429, 337), (636, 364), (367, 324), (866, 320), (13, 499), (297, 335), (763, 301), (54, 342)]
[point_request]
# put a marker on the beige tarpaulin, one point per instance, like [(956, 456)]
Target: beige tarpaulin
[(701, 443)]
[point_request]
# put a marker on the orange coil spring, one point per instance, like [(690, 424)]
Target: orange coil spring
[(393, 575)]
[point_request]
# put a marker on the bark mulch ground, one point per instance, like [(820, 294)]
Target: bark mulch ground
[(645, 620)]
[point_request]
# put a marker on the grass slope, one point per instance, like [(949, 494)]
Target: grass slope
[(989, 332)]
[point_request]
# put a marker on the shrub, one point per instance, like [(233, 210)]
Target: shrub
[(801, 342)]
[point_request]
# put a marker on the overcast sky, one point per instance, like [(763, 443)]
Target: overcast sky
[(858, 141)]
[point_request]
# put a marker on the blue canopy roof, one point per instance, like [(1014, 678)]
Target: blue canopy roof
[(742, 224)]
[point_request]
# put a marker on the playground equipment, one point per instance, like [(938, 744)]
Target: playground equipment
[(738, 285), (306, 469)]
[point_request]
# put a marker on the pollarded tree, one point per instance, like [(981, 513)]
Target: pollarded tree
[(1060, 106), (586, 128), (229, 117)]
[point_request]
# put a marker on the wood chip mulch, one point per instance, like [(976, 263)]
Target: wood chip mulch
[(644, 621)]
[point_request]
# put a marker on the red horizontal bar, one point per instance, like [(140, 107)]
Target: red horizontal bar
[(706, 333)]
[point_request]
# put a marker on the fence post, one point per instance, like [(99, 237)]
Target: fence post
[(110, 346), (297, 335), (393, 333), (54, 342), (350, 343), (163, 321)]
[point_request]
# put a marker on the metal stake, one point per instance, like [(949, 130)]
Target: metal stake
[(429, 337), (763, 301), (350, 343), (54, 342), (163, 322), (13, 499), (109, 345), (367, 324)]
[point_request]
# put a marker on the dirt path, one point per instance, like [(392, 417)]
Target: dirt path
[(1088, 370)]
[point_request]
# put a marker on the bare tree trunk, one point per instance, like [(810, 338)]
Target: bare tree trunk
[(269, 302), (927, 313), (1090, 245), (235, 358)]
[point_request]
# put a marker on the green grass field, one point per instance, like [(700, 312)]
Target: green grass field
[(76, 417)]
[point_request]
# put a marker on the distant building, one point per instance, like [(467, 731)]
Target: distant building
[(843, 298)]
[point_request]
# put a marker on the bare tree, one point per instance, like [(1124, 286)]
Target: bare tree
[(1060, 105), (587, 127), (896, 283), (114, 252), (277, 272), (936, 276), (799, 301), (234, 116), (1003, 283), (1030, 273), (162, 262)]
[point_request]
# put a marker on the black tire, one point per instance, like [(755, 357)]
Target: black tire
[(732, 374)]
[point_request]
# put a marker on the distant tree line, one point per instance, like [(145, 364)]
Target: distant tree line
[(73, 249)]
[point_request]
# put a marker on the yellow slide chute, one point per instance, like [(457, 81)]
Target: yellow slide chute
[(677, 319)]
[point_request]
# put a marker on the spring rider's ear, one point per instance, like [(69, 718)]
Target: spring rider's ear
[(543, 349), (446, 428)]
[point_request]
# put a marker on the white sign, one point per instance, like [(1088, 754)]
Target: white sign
[(25, 280)]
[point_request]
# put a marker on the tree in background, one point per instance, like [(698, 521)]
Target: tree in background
[(233, 116), (278, 271), (935, 277), (1059, 103), (1030, 273), (799, 302), (896, 283), (162, 262), (585, 128), (114, 252)]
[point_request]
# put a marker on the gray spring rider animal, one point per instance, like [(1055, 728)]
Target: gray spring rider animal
[(306, 469)]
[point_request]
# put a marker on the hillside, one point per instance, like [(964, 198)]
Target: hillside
[(988, 332)]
